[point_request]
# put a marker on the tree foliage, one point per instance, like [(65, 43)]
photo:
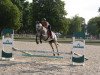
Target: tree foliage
[(94, 26), (9, 15), (76, 24), (26, 20), (18, 3), (52, 10), (22, 15)]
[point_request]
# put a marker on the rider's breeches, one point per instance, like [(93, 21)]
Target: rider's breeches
[(49, 29)]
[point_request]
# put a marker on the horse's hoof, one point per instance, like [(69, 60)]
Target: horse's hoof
[(40, 41), (58, 54), (37, 42), (53, 54), (57, 44)]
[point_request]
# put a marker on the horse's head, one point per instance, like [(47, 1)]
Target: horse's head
[(39, 27)]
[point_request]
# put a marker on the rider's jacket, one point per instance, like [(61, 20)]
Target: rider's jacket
[(45, 24)]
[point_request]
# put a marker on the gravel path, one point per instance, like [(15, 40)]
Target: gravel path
[(24, 65)]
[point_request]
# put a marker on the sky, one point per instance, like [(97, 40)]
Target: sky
[(83, 8)]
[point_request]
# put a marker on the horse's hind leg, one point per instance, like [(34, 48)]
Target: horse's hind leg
[(56, 44), (52, 48)]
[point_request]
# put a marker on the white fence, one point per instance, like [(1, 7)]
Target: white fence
[(24, 36)]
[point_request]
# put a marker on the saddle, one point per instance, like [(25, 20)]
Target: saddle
[(49, 33)]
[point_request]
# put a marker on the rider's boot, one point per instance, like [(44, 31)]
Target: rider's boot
[(50, 34)]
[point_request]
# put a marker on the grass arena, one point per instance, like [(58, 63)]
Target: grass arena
[(46, 65)]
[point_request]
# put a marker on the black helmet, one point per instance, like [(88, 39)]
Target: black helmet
[(44, 19)]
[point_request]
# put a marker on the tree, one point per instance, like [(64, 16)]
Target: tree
[(18, 3), (26, 27), (9, 15), (25, 8), (65, 27), (76, 24), (94, 26), (52, 10)]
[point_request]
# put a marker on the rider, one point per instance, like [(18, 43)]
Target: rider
[(46, 24)]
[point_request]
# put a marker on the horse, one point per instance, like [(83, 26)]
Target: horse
[(42, 34)]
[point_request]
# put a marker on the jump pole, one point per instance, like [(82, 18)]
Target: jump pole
[(29, 54)]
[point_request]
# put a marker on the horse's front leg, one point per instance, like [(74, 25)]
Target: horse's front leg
[(37, 39), (52, 48), (41, 38)]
